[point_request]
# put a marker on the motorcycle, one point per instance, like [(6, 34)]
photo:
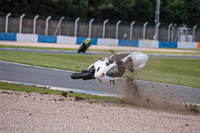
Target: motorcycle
[(113, 67), (84, 46)]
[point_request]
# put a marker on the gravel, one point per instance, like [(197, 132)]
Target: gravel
[(32, 112)]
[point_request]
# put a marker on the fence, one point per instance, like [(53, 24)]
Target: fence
[(68, 29)]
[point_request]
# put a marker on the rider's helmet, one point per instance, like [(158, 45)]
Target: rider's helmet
[(87, 41)]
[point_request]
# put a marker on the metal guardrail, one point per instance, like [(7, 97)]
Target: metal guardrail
[(71, 28)]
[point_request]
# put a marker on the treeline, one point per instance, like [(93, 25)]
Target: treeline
[(175, 11)]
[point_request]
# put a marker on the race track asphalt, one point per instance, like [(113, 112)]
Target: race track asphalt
[(28, 74), (44, 76)]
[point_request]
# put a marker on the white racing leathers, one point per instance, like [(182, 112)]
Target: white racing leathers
[(138, 60)]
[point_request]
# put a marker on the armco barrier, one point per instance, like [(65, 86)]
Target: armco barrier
[(8, 36), (27, 38), (167, 44), (96, 41), (47, 39), (66, 40), (148, 44), (187, 45), (80, 40), (131, 43), (108, 42)]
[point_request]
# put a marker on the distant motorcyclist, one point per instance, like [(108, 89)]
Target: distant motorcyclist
[(85, 45)]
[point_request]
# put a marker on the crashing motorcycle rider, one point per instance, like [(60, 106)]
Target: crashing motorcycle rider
[(85, 45)]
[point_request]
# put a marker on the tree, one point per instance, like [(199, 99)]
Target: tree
[(193, 12), (79, 8), (144, 10), (65, 8), (113, 9), (16, 7), (171, 11), (42, 7)]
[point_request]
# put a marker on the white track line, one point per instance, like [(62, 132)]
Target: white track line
[(37, 66)]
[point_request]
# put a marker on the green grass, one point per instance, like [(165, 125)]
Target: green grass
[(27, 88), (101, 50), (94, 97), (44, 90), (167, 70), (59, 61), (171, 70)]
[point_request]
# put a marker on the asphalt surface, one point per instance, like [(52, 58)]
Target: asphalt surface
[(44, 76), (94, 53), (53, 51), (60, 78)]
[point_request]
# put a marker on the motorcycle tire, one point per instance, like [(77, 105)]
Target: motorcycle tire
[(81, 75), (80, 48)]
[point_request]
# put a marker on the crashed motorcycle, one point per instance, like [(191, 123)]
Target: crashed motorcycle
[(113, 67)]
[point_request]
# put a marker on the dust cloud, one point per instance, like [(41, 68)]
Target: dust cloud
[(145, 98), (148, 94)]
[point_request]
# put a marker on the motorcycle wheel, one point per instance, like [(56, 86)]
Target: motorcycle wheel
[(81, 75), (81, 49), (84, 50)]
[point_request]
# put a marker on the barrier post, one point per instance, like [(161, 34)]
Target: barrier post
[(90, 27), (193, 33), (47, 25), (34, 23), (172, 37), (144, 29), (157, 26), (59, 26), (60, 21), (6, 27), (20, 23), (104, 27), (117, 28), (76, 26), (131, 29), (169, 28)]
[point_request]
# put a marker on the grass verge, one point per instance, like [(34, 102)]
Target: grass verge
[(44, 90), (176, 71), (59, 61)]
